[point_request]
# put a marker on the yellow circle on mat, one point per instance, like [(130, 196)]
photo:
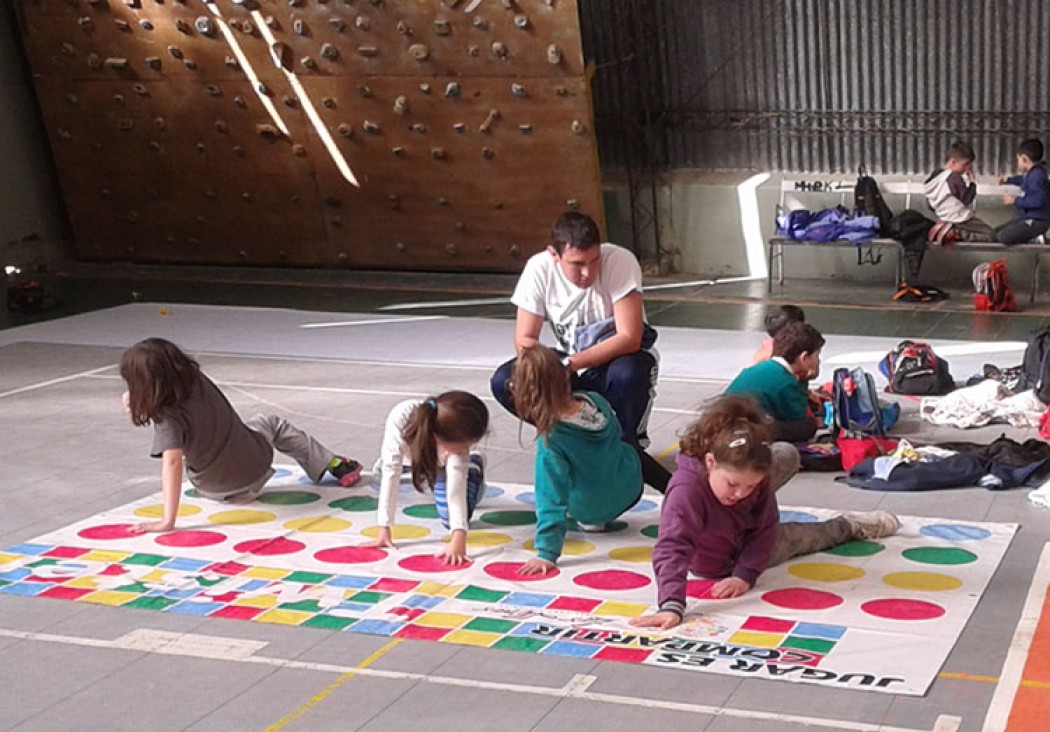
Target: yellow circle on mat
[(826, 571), (398, 532), (924, 581), (636, 554), (482, 539), (571, 547), (157, 510), (317, 524), (242, 516)]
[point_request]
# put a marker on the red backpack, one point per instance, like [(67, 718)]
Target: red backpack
[(992, 291)]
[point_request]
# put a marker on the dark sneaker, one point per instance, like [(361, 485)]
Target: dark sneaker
[(346, 471)]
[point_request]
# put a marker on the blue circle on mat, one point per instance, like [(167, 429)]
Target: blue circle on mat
[(955, 532), (529, 498), (281, 472), (643, 505), (797, 516), (492, 491)]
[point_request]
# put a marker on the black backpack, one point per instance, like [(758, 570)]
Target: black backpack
[(1035, 364), (913, 368), (868, 201), (910, 227)]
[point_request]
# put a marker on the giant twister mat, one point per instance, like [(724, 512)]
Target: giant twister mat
[(879, 616)]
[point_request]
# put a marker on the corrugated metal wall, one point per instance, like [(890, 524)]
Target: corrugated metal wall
[(820, 85)]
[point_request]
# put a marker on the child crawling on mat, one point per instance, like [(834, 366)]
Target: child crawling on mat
[(720, 518)]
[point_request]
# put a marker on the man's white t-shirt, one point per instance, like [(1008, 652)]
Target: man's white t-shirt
[(543, 290)]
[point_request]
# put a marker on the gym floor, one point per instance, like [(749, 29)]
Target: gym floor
[(333, 352)]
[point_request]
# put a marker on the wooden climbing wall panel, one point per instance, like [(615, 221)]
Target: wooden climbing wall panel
[(401, 134)]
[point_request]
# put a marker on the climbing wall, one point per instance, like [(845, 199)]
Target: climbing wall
[(368, 133)]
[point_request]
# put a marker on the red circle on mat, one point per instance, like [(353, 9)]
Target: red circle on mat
[(611, 579), (269, 547), (895, 608), (350, 555), (191, 538), (795, 598), (107, 532), (509, 571), (430, 563), (700, 589)]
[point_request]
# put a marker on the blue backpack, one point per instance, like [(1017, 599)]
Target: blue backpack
[(857, 407)]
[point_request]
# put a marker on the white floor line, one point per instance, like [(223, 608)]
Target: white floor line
[(204, 646), (52, 382), (1013, 667), (445, 304), (381, 321)]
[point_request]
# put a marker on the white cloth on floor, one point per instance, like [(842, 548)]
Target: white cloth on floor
[(983, 403), (1041, 495)]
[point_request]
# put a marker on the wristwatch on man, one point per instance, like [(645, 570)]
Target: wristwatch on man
[(566, 362)]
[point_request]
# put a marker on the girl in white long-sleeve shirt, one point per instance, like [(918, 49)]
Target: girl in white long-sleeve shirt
[(436, 435)]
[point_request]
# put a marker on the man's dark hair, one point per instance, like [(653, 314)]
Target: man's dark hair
[(778, 317), (576, 230), (1032, 149), (961, 150), (796, 338)]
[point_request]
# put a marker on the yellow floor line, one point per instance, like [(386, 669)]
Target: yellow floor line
[(320, 696), (991, 679), (673, 448)]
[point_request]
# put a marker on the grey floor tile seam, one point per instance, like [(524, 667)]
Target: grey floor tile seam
[(408, 689)]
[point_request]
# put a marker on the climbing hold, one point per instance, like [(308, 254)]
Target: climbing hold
[(473, 50), (518, 90), (452, 90), (367, 51), (553, 54), (479, 22), (572, 203), (442, 201), (231, 61), (145, 25), (154, 146), (521, 21), (362, 22), (577, 127), (451, 249), (247, 27), (345, 130), (442, 27), (398, 151), (418, 127), (175, 51), (153, 62), (65, 134), (401, 105), (69, 49), (182, 26), (561, 91), (459, 127), (290, 101), (307, 62), (499, 50), (328, 103), (295, 3), (338, 23), (299, 150), (508, 4), (271, 22), (93, 61), (329, 51), (490, 118), (202, 148), (403, 28), (117, 63), (425, 88), (118, 99), (190, 64), (240, 102), (298, 27), (488, 153), (125, 124), (370, 127), (268, 131), (263, 89), (418, 51), (221, 127), (213, 90), (122, 25), (246, 196), (400, 246), (438, 153), (525, 129), (281, 55), (460, 226), (86, 24), (514, 250), (160, 123), (140, 89), (204, 25), (237, 150), (394, 201), (364, 91), (72, 98)]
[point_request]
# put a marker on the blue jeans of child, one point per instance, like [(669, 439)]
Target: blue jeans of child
[(475, 490)]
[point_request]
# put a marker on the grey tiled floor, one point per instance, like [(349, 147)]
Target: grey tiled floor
[(68, 452)]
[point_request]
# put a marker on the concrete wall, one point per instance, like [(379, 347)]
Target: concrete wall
[(31, 219), (702, 221)]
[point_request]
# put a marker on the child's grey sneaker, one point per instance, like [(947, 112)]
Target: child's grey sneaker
[(873, 524), (592, 528)]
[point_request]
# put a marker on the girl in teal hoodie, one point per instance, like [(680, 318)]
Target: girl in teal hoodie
[(584, 469)]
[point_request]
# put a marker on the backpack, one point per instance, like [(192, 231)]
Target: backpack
[(913, 368), (920, 293), (910, 228), (792, 224), (992, 291), (857, 407), (1035, 365), (868, 201)]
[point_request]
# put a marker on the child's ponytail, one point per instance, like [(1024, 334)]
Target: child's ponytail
[(456, 417), (736, 433), (541, 387)]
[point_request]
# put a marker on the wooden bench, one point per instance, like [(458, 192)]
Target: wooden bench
[(871, 251)]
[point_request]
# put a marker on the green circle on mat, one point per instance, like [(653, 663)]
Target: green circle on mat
[(288, 498), (652, 530), (939, 555), (356, 503), (422, 510), (856, 549), (509, 518)]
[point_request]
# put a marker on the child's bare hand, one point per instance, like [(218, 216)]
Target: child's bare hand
[(382, 540), (535, 566), (125, 399), (453, 555), (662, 620), (729, 587), (1008, 200), (151, 527)]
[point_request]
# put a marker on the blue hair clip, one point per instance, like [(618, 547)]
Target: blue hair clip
[(432, 404)]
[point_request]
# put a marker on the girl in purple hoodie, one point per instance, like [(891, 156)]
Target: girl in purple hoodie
[(720, 517)]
